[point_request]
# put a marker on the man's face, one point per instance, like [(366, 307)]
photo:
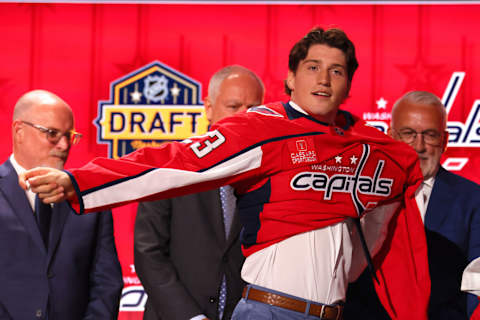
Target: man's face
[(320, 83), (237, 92), (428, 120), (33, 147)]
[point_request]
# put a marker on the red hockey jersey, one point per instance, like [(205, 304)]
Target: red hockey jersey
[(291, 174)]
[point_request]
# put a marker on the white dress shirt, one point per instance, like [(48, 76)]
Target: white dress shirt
[(318, 265), (19, 169), (422, 195)]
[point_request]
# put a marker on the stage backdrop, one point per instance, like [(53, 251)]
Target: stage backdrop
[(137, 74)]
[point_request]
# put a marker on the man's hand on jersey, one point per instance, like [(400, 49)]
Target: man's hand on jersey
[(51, 185)]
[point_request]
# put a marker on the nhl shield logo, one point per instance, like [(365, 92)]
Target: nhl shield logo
[(156, 88), (148, 107)]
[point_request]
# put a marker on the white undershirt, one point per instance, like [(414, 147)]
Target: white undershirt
[(318, 265)]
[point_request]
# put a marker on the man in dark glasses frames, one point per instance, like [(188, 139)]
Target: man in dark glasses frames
[(449, 205), (43, 126), (46, 249)]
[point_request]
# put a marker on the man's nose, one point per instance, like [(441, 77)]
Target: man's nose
[(323, 77), (63, 143), (419, 143)]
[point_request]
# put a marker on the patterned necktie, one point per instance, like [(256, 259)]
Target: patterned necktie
[(43, 213), (227, 198)]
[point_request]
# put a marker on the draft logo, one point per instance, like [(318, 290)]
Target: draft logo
[(149, 106)]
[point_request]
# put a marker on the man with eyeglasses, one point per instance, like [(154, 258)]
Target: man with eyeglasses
[(449, 205), (55, 265)]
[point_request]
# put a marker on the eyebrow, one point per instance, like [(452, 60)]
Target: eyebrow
[(318, 61)]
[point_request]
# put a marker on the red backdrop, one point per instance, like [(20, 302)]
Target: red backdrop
[(77, 50)]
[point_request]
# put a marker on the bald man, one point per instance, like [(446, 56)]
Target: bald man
[(187, 249), (55, 265), (450, 208)]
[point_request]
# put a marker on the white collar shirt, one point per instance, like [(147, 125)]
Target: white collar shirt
[(422, 195), (19, 169)]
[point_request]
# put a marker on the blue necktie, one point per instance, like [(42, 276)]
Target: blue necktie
[(43, 212), (227, 198)]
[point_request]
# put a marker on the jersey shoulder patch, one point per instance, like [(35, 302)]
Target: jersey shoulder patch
[(265, 111)]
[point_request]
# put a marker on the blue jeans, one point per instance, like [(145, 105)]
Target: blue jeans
[(253, 310)]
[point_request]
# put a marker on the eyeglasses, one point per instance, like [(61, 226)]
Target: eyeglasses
[(54, 135), (431, 137)]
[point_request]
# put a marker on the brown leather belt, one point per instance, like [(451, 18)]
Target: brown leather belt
[(323, 311)]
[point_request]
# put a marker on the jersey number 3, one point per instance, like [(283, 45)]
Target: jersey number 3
[(202, 148)]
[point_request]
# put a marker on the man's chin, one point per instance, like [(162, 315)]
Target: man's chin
[(428, 173), (57, 164)]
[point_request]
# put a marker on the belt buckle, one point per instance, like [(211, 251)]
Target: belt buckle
[(322, 311), (339, 312)]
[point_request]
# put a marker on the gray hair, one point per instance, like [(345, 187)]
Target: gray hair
[(423, 98), (420, 97), (222, 74)]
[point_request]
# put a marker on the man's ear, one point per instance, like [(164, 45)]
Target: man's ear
[(207, 104), (389, 132), (291, 80), (17, 130)]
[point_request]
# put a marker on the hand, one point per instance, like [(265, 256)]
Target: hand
[(51, 185)]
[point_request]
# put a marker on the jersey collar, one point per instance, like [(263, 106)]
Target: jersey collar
[(294, 111)]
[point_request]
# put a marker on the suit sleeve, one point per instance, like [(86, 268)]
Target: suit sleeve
[(106, 275), (166, 293)]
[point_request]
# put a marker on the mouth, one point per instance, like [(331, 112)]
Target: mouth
[(321, 94)]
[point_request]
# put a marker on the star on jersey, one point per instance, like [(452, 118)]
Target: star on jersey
[(382, 103), (338, 159), (353, 160)]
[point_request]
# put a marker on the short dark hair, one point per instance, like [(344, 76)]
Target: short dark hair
[(334, 38)]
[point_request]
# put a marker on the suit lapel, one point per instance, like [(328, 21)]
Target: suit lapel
[(19, 204), (60, 214), (440, 201), (235, 229)]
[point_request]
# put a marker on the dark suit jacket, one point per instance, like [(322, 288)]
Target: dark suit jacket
[(79, 277), (452, 225), (181, 254)]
